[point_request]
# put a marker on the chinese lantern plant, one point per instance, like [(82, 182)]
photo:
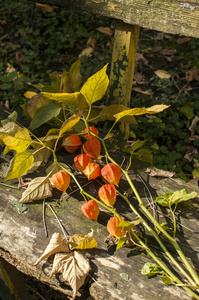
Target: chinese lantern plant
[(79, 106)]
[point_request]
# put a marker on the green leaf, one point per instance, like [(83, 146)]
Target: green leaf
[(35, 103), (120, 243), (21, 163), (181, 196), (137, 145), (141, 111), (151, 269), (76, 75), (73, 99), (20, 207), (144, 155), (188, 110), (44, 114), (163, 200), (166, 279), (95, 87), (124, 225)]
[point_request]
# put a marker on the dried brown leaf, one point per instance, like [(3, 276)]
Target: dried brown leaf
[(160, 173), (56, 245), (74, 268)]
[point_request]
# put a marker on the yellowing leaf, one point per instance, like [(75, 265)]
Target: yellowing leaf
[(95, 87), (74, 268), (81, 241), (29, 94), (72, 99), (10, 128), (21, 163), (141, 111), (76, 75), (87, 52), (39, 188), (162, 74), (35, 103), (66, 85), (57, 244), (45, 7), (69, 123), (105, 30), (19, 142)]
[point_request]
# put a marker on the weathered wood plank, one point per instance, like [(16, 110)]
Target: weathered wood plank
[(171, 16), (22, 240)]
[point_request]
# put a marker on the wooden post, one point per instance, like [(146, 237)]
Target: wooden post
[(123, 65)]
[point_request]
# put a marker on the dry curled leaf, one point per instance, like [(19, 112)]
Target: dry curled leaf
[(160, 173), (74, 268), (56, 245)]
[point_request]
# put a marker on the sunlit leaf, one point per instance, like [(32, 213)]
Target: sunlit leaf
[(44, 114), (69, 123), (81, 241), (21, 163), (74, 268), (73, 99), (95, 87), (141, 111), (19, 142), (57, 244), (121, 242), (151, 269), (39, 188), (162, 74), (181, 196), (108, 112), (76, 75), (11, 118), (124, 225), (29, 94)]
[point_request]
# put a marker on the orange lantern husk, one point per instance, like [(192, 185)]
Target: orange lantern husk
[(111, 173), (113, 229), (90, 209), (89, 136), (61, 180), (92, 171), (92, 148), (107, 194), (81, 161), (71, 143)]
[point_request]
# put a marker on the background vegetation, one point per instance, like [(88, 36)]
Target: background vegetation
[(37, 40)]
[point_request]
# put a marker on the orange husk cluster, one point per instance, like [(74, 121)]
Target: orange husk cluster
[(61, 180)]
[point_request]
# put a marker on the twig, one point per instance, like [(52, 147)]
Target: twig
[(10, 186), (37, 293), (60, 224), (44, 219)]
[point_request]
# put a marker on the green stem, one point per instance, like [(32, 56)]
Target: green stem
[(174, 220), (158, 240)]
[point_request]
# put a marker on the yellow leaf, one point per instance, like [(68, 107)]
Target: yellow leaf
[(141, 111), (29, 94), (19, 142), (69, 123), (66, 85), (95, 87), (72, 99), (87, 52), (81, 241), (45, 7), (21, 163), (162, 74)]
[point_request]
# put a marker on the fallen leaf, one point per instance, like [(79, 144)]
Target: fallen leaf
[(162, 74), (160, 173), (105, 30), (44, 7), (183, 40), (74, 268), (91, 42), (39, 188), (192, 75), (140, 91), (29, 94), (168, 51), (87, 52), (56, 245), (81, 241)]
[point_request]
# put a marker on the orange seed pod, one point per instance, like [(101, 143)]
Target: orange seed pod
[(92, 148), (90, 209), (113, 229), (89, 136), (61, 180), (107, 194), (81, 161), (71, 143), (92, 171), (111, 173)]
